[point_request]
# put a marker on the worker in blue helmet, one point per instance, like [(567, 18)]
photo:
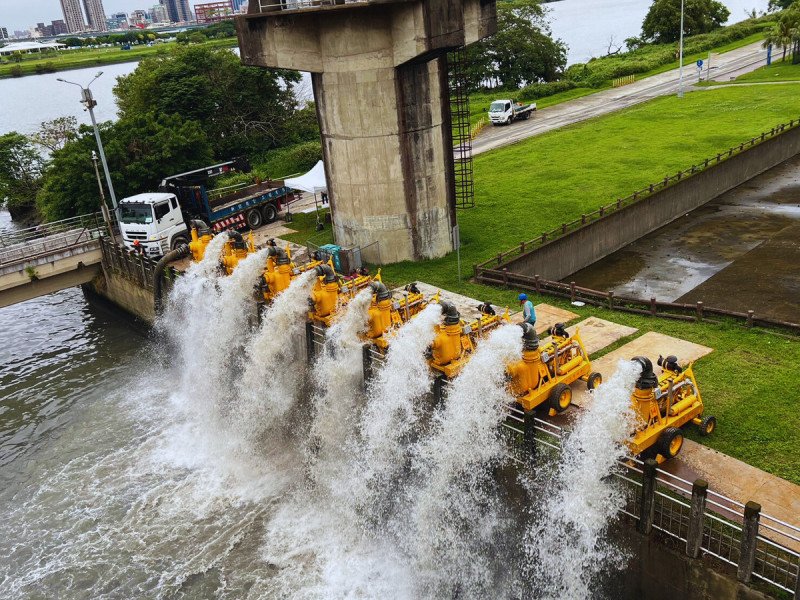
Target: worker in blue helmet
[(528, 312)]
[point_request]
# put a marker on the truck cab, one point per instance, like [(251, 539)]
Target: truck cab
[(154, 220), (503, 112)]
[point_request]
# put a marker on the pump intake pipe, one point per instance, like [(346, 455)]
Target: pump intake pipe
[(279, 254), (158, 290), (450, 312), (530, 339), (200, 226), (380, 290), (327, 271), (238, 240)]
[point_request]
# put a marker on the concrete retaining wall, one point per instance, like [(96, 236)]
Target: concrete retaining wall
[(657, 572), (580, 248), (129, 296)]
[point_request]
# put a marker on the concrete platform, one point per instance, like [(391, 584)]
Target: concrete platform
[(597, 333), (651, 345), (546, 317), (741, 482)]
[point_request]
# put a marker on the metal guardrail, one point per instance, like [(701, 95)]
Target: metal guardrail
[(721, 520), (34, 242), (135, 267)]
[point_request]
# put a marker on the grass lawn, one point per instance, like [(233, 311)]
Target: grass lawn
[(777, 71), (90, 57), (535, 185)]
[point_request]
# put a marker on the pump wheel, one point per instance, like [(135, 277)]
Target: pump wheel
[(708, 425), (560, 397), (270, 213), (670, 442), (594, 380), (178, 240), (254, 219)]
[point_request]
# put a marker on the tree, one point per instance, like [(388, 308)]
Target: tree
[(662, 24), (52, 135), (786, 31), (521, 52), (20, 172), (140, 150), (775, 5), (243, 110)]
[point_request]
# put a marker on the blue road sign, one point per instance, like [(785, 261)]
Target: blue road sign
[(700, 63)]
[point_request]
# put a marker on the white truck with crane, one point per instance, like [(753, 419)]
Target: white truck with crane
[(157, 222), (504, 112)]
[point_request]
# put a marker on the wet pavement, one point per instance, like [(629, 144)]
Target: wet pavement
[(739, 252)]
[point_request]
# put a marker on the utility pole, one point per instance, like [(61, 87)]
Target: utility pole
[(89, 102), (680, 77), (103, 207)]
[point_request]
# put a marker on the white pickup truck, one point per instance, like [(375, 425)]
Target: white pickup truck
[(503, 112)]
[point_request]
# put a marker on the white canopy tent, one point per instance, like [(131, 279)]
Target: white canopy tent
[(313, 181)]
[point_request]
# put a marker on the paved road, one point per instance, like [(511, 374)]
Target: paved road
[(724, 67)]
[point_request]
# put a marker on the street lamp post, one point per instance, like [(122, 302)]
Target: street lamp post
[(103, 207), (89, 102), (680, 77)]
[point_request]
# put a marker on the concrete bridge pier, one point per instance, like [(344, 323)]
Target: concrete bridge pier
[(379, 73)]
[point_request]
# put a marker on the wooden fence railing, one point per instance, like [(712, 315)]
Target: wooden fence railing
[(653, 307), (632, 198)]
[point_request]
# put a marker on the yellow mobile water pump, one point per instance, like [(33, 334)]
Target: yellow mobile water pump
[(545, 374), (663, 405)]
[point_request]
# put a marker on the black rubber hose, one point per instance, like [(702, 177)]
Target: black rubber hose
[(647, 380), (327, 270), (530, 339), (450, 312), (380, 290), (158, 274), (281, 258)]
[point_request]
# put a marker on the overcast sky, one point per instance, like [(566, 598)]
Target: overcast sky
[(21, 14)]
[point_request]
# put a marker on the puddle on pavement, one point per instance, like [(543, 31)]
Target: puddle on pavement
[(748, 231)]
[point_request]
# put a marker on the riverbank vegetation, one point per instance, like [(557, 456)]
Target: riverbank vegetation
[(112, 49), (180, 110)]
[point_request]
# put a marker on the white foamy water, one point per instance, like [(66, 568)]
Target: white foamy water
[(228, 468), (339, 381), (568, 545)]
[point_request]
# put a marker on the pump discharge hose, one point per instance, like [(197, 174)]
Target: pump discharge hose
[(158, 275)]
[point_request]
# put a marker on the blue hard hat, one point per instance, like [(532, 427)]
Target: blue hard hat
[(523, 297)]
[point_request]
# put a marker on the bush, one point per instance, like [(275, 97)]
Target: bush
[(542, 90), (16, 71)]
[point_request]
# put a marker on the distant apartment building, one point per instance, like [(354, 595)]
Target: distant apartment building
[(3, 34), (73, 16), (178, 10), (95, 15), (213, 12), (44, 30), (138, 17), (20, 35), (117, 21), (158, 14), (59, 27)]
